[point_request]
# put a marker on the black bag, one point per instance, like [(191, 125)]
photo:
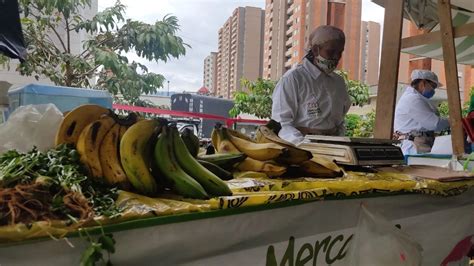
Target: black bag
[(12, 43)]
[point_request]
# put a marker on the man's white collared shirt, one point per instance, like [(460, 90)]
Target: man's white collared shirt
[(306, 97)]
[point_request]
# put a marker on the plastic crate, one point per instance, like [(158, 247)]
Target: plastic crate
[(65, 98)]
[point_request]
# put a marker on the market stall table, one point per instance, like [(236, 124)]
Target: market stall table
[(269, 221)]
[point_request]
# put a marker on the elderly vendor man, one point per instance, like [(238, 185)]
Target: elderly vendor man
[(311, 98)]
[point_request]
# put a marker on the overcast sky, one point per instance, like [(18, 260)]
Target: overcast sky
[(200, 20)]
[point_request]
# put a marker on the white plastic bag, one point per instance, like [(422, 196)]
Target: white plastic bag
[(378, 242), (29, 126)]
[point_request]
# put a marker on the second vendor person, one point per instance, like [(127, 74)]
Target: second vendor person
[(416, 119)]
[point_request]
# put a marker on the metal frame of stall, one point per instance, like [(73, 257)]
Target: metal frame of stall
[(392, 43)]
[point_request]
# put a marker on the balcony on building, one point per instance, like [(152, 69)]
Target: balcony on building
[(290, 10), (289, 32)]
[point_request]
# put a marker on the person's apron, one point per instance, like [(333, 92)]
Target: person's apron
[(415, 143), (423, 144), (310, 131)]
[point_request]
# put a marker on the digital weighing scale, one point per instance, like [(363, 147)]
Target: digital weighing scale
[(355, 151)]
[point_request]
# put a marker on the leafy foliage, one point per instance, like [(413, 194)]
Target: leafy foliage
[(365, 128), (95, 252), (256, 100), (443, 108), (352, 122), (358, 91), (360, 125), (50, 26)]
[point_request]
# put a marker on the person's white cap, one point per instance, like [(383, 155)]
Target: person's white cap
[(425, 74)]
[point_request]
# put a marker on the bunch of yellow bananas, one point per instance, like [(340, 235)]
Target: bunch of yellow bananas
[(272, 155), (96, 133)]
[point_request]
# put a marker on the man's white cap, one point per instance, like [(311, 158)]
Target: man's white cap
[(425, 74)]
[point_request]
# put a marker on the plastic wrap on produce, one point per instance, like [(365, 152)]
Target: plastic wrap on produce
[(352, 184), (20, 232), (30, 126), (137, 206)]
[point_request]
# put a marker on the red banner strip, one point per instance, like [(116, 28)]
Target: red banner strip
[(228, 121)]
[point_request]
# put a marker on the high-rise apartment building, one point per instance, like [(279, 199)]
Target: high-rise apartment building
[(240, 50), (369, 52), (210, 72), (288, 24)]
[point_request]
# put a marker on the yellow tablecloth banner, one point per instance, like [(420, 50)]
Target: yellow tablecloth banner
[(250, 189)]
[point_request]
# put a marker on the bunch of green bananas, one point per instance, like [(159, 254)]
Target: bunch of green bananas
[(182, 171), (154, 155)]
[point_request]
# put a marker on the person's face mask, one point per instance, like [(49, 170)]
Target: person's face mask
[(326, 65), (428, 91)]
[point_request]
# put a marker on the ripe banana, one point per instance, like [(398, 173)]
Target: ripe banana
[(257, 151), (76, 120), (221, 142), (213, 185), (217, 170), (110, 159), (122, 131), (239, 135), (136, 155), (321, 167), (225, 160), (89, 142), (166, 162), (191, 141), (295, 154), (269, 168)]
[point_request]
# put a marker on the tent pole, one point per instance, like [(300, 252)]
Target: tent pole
[(389, 65), (451, 72)]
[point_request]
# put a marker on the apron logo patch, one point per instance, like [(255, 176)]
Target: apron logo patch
[(313, 109)]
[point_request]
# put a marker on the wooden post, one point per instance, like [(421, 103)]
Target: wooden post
[(389, 64), (451, 72)]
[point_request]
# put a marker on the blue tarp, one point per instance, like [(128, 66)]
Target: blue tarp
[(65, 98)]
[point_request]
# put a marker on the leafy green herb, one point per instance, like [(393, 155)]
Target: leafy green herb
[(62, 170), (95, 252)]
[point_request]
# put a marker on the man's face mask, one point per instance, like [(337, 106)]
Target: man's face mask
[(326, 65)]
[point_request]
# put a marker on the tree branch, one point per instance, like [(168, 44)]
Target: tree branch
[(68, 34), (59, 37)]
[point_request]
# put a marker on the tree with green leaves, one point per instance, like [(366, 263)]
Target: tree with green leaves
[(352, 122), (358, 91), (48, 27), (365, 127), (255, 99)]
